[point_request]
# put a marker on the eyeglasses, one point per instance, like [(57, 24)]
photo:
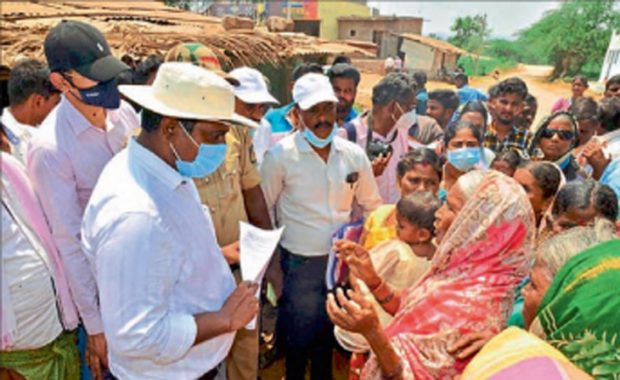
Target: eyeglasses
[(563, 135)]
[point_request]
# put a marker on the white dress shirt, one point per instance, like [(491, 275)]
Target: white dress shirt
[(19, 135), (153, 251), (311, 197), (64, 162), (26, 278)]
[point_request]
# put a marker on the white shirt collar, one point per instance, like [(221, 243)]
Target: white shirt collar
[(17, 128), (150, 162)]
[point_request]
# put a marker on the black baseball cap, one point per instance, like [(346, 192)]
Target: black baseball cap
[(83, 48)]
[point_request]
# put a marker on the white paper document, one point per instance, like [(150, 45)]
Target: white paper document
[(256, 246)]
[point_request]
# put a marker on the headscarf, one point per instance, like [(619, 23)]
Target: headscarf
[(534, 150), (470, 285), (515, 354), (579, 313), (567, 162)]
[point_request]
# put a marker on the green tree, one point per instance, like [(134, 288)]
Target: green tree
[(573, 36), (469, 31), (471, 34)]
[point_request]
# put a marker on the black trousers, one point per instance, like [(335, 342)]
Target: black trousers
[(303, 323)]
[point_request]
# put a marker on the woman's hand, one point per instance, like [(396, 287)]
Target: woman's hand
[(470, 344), (358, 260), (356, 315)]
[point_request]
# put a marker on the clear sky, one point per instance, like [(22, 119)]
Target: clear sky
[(505, 17)]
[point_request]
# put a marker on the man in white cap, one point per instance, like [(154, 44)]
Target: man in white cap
[(233, 194), (168, 300), (311, 179)]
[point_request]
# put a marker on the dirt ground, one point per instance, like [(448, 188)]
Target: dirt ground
[(535, 77)]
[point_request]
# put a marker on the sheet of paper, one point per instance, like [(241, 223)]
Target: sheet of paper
[(256, 246)]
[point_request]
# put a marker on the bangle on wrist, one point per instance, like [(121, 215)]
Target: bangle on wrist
[(387, 298), (373, 288)]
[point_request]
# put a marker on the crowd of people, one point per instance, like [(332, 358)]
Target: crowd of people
[(468, 243)]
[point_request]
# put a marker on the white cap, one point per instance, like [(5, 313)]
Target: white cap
[(252, 88), (185, 91), (312, 89)]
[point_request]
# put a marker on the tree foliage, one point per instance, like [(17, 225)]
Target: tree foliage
[(571, 37), (470, 32)]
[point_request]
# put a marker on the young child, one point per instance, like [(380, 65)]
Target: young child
[(506, 162), (419, 170), (415, 215), (400, 262)]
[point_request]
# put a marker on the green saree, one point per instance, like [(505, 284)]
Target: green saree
[(580, 313)]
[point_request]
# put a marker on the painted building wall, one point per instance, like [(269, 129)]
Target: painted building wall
[(329, 11), (418, 56), (364, 30), (299, 9)]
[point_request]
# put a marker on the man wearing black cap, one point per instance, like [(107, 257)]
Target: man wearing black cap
[(76, 140)]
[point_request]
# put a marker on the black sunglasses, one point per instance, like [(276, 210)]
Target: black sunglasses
[(564, 135)]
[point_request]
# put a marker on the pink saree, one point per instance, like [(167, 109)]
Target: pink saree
[(470, 286)]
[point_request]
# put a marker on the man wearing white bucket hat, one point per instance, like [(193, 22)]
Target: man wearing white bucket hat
[(311, 179), (168, 299)]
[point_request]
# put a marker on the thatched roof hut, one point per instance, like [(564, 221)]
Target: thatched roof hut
[(141, 28)]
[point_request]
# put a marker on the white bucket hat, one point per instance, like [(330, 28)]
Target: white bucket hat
[(312, 89), (185, 91), (252, 88)]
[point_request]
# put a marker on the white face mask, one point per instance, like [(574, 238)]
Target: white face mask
[(406, 120)]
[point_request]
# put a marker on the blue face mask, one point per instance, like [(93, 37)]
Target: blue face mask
[(464, 159), (104, 94), (316, 141), (209, 158)]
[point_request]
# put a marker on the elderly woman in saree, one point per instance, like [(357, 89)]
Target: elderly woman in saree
[(484, 252), (572, 301), (515, 354)]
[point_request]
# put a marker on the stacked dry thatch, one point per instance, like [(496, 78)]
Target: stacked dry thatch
[(140, 28)]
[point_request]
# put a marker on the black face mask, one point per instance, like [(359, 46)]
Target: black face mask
[(104, 94)]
